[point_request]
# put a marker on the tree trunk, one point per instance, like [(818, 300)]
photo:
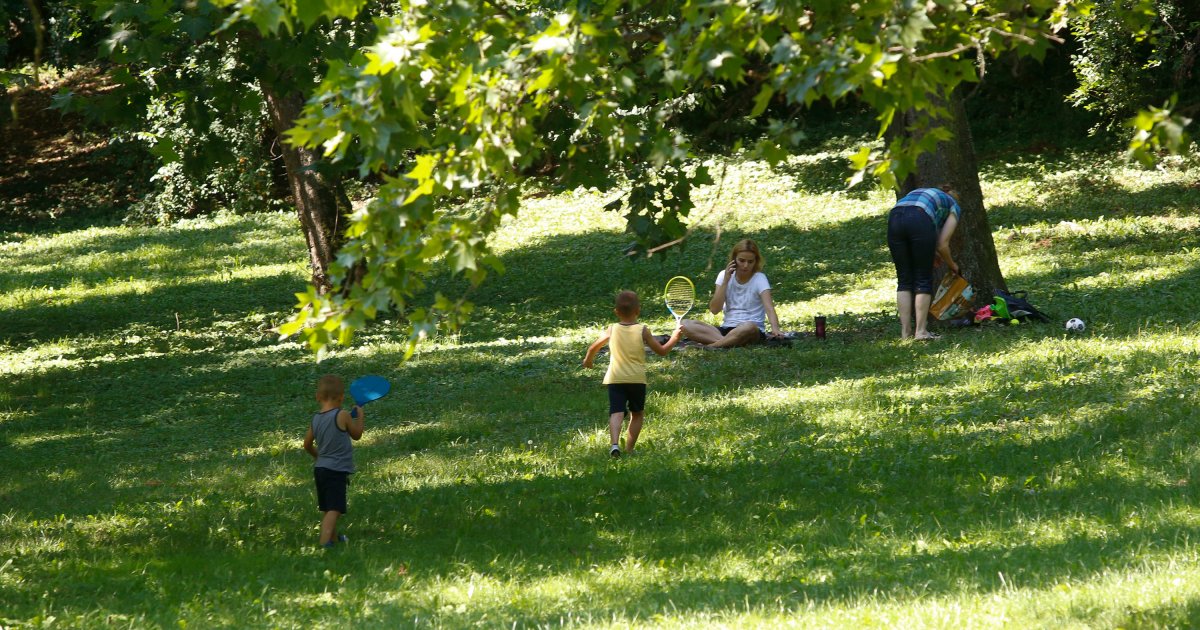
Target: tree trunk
[(320, 200), (953, 162)]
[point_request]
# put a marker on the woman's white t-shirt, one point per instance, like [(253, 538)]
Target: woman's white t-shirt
[(743, 302)]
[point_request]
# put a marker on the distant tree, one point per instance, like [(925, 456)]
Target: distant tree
[(36, 33), (1129, 59), (197, 86)]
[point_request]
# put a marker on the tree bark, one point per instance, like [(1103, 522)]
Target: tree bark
[(953, 162), (320, 199)]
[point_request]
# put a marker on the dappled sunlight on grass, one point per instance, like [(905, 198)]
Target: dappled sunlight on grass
[(1020, 476)]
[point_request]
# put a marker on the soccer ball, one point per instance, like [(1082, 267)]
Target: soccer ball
[(1075, 324)]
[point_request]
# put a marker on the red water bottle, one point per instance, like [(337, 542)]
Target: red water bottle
[(820, 325)]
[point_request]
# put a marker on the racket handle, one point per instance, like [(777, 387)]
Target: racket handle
[(354, 412)]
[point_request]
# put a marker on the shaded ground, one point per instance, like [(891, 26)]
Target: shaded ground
[(58, 167)]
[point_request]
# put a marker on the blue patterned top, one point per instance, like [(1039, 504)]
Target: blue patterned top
[(936, 203)]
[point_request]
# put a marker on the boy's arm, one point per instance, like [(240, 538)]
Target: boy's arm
[(661, 349), (594, 348), (351, 425), (308, 443)]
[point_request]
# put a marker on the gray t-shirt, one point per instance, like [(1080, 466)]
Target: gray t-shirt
[(334, 448)]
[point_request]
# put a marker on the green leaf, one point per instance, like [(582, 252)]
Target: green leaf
[(1145, 120), (164, 150), (267, 15), (463, 257), (762, 100), (544, 80), (420, 191), (424, 168), (771, 152), (309, 11), (344, 8), (290, 328), (860, 159), (912, 32)]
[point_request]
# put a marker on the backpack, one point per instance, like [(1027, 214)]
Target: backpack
[(1015, 306)]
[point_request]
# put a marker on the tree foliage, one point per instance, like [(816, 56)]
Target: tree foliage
[(452, 103), (190, 89), (38, 32), (1120, 74), (455, 100)]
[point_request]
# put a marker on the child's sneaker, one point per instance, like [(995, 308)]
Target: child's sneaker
[(615, 451), (341, 538)]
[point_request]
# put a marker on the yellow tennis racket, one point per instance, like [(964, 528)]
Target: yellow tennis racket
[(680, 296)]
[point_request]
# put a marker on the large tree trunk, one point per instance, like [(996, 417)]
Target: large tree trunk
[(320, 201), (953, 162)]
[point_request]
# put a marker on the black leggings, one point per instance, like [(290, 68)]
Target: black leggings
[(912, 239)]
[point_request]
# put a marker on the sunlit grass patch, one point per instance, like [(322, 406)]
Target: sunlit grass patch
[(1003, 476)]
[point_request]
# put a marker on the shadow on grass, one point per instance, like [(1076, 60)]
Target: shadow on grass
[(194, 274), (826, 510), (823, 175), (565, 280), (1086, 197), (1179, 615), (192, 306)]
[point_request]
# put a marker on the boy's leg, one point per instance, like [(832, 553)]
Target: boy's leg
[(635, 428), (637, 407), (618, 400), (331, 497), (329, 526), (614, 427)]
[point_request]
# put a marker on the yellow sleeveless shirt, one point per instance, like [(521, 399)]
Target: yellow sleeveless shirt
[(627, 355)]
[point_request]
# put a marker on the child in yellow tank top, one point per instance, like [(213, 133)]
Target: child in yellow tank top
[(626, 375)]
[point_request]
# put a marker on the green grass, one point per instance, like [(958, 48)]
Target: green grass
[(151, 473)]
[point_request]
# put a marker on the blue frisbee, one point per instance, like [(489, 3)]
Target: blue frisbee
[(369, 388)]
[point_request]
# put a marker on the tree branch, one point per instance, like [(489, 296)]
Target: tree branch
[(974, 44)]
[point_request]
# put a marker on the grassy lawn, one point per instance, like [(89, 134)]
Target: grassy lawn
[(151, 473)]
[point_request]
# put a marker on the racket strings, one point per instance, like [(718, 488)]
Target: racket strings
[(680, 304), (680, 296)]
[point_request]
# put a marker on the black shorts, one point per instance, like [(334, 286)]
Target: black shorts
[(622, 396), (725, 330), (331, 489)]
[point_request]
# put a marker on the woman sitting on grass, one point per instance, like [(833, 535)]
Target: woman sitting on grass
[(743, 294)]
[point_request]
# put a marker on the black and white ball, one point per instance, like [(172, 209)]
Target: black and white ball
[(1075, 324)]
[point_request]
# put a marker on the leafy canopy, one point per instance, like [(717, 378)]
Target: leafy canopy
[(1119, 75), (458, 99)]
